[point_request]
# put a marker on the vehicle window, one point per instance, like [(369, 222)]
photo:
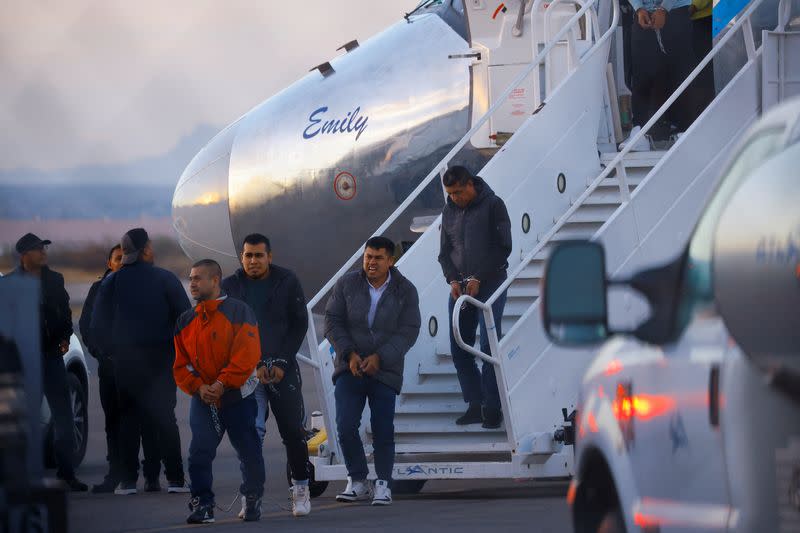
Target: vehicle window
[(697, 290)]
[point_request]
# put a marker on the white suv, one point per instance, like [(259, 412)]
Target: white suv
[(691, 421)]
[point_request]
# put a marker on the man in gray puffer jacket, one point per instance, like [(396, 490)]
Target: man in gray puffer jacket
[(372, 319)]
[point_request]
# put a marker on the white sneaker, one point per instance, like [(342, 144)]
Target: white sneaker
[(301, 500), (241, 511), (642, 145), (383, 494), (125, 489), (355, 491)]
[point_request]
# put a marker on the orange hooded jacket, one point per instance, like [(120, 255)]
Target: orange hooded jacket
[(217, 340)]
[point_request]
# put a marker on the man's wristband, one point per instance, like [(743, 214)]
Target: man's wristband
[(260, 364), (221, 384)]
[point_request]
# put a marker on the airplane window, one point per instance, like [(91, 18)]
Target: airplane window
[(697, 291)]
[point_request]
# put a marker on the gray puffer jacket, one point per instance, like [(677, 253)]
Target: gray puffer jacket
[(394, 329)]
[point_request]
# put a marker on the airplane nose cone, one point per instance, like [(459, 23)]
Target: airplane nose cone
[(200, 212)]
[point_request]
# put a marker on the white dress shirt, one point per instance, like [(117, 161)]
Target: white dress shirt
[(375, 297)]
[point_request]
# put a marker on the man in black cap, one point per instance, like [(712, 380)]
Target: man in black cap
[(56, 327), (134, 318)]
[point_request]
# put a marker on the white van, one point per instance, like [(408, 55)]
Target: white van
[(691, 420)]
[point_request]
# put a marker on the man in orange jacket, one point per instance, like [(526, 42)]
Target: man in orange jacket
[(216, 351)]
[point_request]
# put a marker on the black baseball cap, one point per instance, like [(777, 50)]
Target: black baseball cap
[(29, 242), (133, 242)]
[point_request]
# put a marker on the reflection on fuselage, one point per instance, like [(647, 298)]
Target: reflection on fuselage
[(320, 165)]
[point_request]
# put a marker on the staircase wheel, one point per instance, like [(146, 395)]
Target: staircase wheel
[(408, 486)]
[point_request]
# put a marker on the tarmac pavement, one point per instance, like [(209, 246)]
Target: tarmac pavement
[(503, 506)]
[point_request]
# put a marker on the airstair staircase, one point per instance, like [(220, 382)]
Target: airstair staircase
[(557, 186)]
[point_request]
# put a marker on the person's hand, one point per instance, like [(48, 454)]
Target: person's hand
[(355, 364), (644, 19), (371, 364), (263, 375), (455, 289), (473, 286), (63, 346), (216, 389), (659, 18), (205, 394), (275, 375)]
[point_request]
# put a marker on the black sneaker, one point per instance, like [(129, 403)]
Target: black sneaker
[(201, 513), (492, 418), (252, 509), (152, 485), (75, 485), (106, 487), (472, 416)]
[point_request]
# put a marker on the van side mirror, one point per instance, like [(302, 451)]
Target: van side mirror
[(574, 303)]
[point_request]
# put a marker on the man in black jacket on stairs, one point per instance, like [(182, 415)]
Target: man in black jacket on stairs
[(475, 245)]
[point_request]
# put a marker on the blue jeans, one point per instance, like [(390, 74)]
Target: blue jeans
[(238, 419), (54, 385), (351, 394), (477, 387)]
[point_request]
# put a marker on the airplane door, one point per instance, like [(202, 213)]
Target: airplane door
[(505, 37)]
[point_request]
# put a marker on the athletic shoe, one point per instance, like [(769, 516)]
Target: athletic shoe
[(471, 416), (125, 488), (355, 491), (106, 487), (251, 509), (642, 145), (201, 513), (383, 494), (75, 485), (152, 485), (177, 487), (301, 500), (492, 418)]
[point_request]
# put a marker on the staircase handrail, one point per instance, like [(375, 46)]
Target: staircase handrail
[(742, 21), (440, 167)]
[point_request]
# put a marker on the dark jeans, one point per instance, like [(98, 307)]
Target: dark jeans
[(147, 398), (237, 419), (54, 385), (703, 88), (656, 73), (109, 400), (477, 386), (286, 401), (351, 394)]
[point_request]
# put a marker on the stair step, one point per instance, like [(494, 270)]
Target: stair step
[(613, 183), (517, 307), (635, 159), (432, 385), (567, 234), (431, 369), (446, 444), (528, 291), (603, 199), (591, 213), (533, 270), (439, 427), (454, 407)]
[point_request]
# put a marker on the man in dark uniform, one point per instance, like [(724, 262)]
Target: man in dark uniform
[(134, 318), (275, 294), (56, 326), (109, 397)]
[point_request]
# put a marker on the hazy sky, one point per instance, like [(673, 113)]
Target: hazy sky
[(112, 81)]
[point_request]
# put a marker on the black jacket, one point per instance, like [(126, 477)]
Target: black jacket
[(394, 329), (476, 240), (84, 324), (55, 313), (287, 320), (137, 306)]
